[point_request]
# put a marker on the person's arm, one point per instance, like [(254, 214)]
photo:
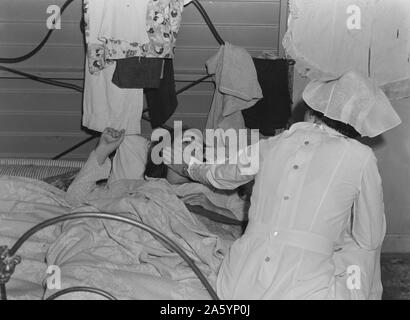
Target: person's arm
[(232, 175), (130, 159), (97, 167), (361, 250), (369, 223)]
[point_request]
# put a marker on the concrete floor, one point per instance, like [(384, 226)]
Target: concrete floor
[(396, 276)]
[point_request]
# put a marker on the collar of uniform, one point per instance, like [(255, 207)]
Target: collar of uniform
[(313, 126)]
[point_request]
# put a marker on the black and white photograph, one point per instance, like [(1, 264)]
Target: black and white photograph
[(204, 155)]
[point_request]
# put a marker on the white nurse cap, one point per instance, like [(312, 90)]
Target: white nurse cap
[(355, 100)]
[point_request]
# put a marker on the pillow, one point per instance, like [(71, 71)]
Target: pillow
[(130, 159)]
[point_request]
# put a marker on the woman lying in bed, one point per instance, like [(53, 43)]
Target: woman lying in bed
[(126, 261), (125, 178)]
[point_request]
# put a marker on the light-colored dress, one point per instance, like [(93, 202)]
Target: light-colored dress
[(316, 216), (104, 104)]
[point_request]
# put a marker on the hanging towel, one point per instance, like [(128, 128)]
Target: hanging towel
[(237, 87)]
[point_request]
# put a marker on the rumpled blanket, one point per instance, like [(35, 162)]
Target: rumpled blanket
[(237, 87), (126, 261), (23, 204)]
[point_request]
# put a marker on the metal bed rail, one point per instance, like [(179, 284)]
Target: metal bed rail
[(9, 258)]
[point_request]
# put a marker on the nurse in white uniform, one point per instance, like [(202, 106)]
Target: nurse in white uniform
[(316, 221)]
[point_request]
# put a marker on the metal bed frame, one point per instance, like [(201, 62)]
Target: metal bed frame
[(9, 258)]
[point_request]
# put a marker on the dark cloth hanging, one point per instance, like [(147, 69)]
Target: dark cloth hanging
[(156, 76), (162, 101), (274, 110), (138, 72)]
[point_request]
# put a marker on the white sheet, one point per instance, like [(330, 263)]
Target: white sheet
[(127, 262)]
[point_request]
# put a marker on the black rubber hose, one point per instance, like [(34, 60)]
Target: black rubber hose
[(32, 53), (193, 84), (39, 46), (68, 2), (208, 22), (120, 218), (76, 146), (43, 80)]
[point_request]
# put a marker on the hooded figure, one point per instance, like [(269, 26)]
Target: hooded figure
[(316, 221)]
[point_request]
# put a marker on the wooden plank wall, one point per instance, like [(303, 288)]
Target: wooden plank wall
[(39, 121)]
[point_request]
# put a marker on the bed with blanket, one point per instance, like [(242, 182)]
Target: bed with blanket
[(127, 262)]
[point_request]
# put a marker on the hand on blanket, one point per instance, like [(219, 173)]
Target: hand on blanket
[(110, 140)]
